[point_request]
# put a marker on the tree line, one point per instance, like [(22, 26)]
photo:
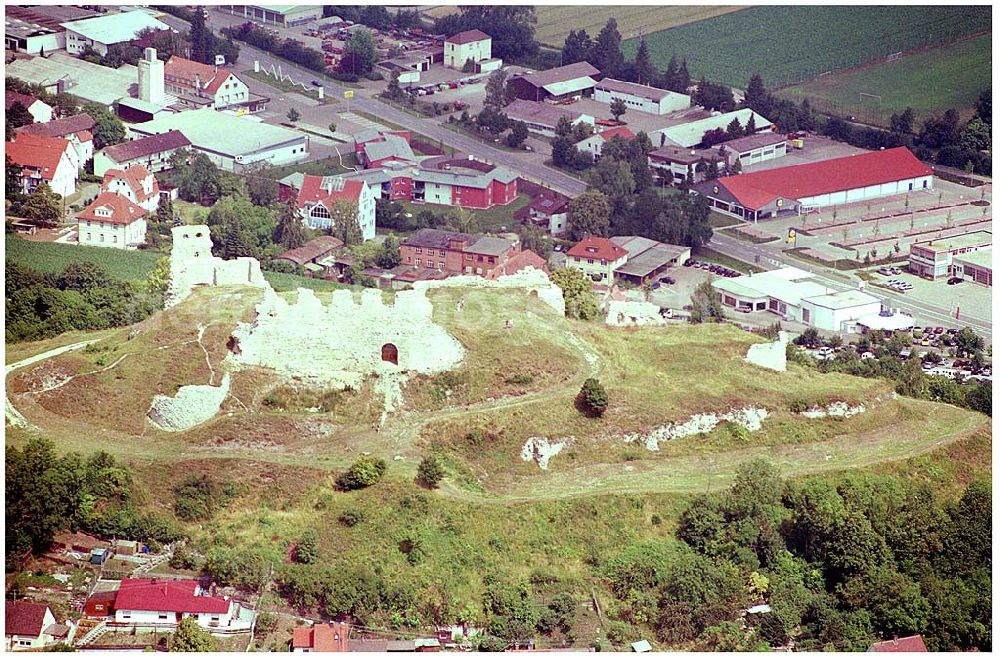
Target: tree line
[(840, 561), (82, 297), (46, 493)]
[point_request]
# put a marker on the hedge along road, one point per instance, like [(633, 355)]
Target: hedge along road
[(522, 163)]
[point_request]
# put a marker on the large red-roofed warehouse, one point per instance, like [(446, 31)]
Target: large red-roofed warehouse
[(798, 188)]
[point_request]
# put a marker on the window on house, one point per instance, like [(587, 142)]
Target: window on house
[(419, 251), (479, 271), (418, 262), (162, 616), (102, 238), (441, 265), (590, 261), (440, 253), (468, 257), (320, 212)]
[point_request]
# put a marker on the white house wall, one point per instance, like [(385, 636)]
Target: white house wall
[(870, 192), (437, 193)]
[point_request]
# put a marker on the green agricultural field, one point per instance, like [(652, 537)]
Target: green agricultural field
[(929, 81), (128, 265), (788, 44), (555, 21)]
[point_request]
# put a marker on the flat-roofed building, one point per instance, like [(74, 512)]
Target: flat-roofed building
[(975, 266), (36, 30), (934, 259), (679, 165), (230, 142), (284, 15), (796, 295), (691, 133), (101, 32), (641, 97)]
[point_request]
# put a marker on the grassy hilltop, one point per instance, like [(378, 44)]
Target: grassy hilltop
[(280, 446)]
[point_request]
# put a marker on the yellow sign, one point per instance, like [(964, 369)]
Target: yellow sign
[(349, 94), (241, 112), (791, 235)]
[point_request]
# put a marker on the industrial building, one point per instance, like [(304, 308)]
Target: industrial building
[(795, 295), (542, 118), (38, 29), (753, 149), (563, 82), (936, 258), (106, 30), (61, 73), (799, 188), (690, 134), (644, 98), (230, 142), (283, 15), (975, 266)]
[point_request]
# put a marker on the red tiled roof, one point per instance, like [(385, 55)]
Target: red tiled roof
[(152, 595), (10, 98), (133, 176), (597, 247), (185, 70), (147, 146), (322, 637), (798, 181), (468, 37), (912, 644), (61, 127), (522, 260), (24, 618), (318, 246), (619, 131), (37, 151), (313, 190), (123, 212)]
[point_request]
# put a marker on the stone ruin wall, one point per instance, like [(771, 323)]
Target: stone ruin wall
[(192, 264)]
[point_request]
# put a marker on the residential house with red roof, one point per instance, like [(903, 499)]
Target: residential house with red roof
[(112, 220), (548, 209), (135, 183), (597, 257), (318, 194), (159, 603), (78, 129), (911, 644), (321, 638), (785, 190), (44, 160), (205, 85), (473, 45), (152, 152), (39, 110), (594, 144), (30, 626)]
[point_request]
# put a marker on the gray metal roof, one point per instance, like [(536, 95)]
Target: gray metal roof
[(490, 245), (392, 146)]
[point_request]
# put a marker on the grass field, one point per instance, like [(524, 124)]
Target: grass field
[(787, 44), (555, 21), (928, 81), (128, 265)]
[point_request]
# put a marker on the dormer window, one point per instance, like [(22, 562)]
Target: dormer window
[(103, 211)]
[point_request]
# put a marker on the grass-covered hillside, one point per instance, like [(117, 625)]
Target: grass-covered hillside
[(517, 550)]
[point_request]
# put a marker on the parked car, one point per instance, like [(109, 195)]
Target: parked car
[(955, 280), (690, 262), (668, 280), (744, 308)]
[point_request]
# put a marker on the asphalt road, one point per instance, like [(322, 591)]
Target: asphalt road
[(523, 163), (925, 313)]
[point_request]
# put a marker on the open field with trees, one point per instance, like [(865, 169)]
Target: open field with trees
[(929, 81), (127, 265), (555, 22), (790, 44)]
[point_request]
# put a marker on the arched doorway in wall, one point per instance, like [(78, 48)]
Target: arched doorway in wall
[(390, 353)]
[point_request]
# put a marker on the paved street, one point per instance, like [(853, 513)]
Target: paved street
[(525, 164)]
